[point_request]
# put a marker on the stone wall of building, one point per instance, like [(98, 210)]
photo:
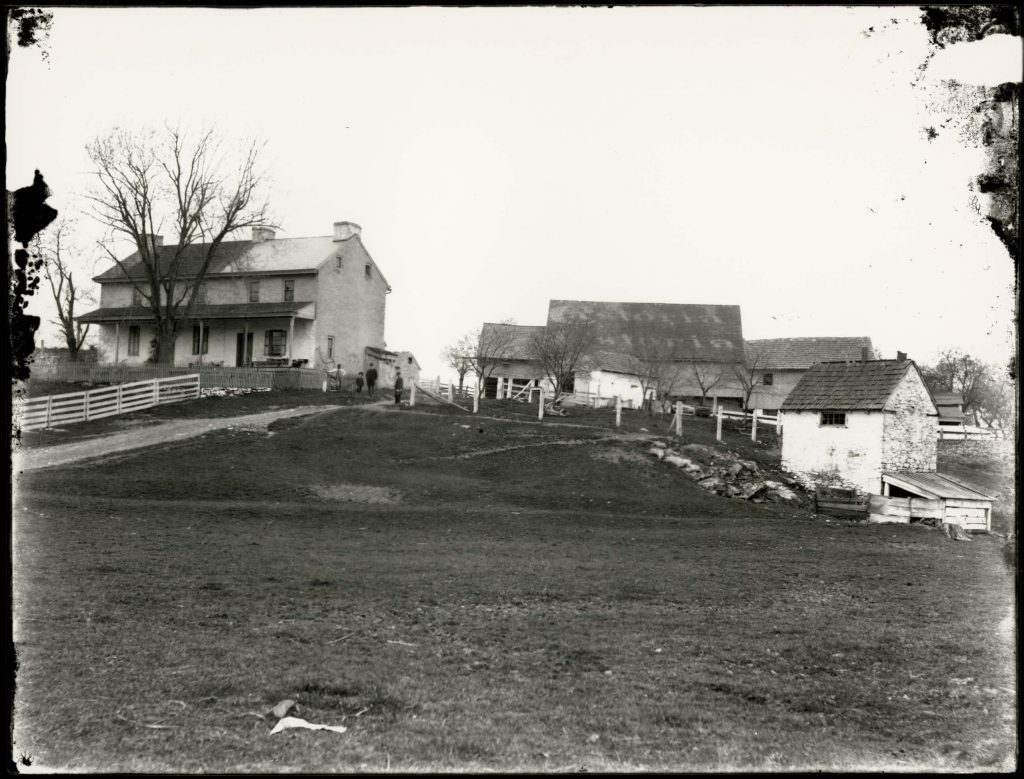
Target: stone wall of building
[(830, 455), (909, 434)]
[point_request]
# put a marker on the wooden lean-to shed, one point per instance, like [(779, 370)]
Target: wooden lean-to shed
[(911, 495)]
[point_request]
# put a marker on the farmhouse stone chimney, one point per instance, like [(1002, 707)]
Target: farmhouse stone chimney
[(153, 242), (261, 234), (345, 230), (901, 356)]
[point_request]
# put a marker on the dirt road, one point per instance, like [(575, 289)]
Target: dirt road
[(151, 435)]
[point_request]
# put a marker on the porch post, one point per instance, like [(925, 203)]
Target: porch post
[(291, 337), (245, 343), (200, 343), (117, 342)]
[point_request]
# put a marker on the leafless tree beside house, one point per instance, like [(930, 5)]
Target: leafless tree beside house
[(151, 179), (55, 248), (706, 375), (654, 360), (459, 356), (750, 373), (560, 349)]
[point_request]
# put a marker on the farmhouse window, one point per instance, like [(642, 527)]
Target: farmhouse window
[(833, 419), (367, 270), (275, 343), (768, 380), (330, 347), (289, 290), (195, 339), (133, 340), (201, 294), (137, 297), (254, 291)]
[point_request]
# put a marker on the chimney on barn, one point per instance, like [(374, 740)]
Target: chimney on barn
[(864, 354), (345, 230), (901, 356), (153, 242), (261, 234)]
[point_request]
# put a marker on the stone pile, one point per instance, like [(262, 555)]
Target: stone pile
[(725, 473), (229, 392)]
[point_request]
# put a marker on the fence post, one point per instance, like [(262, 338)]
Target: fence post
[(753, 426), (718, 433), (156, 392), (540, 405), (119, 386), (412, 395), (618, 411), (679, 418), (86, 408), (451, 392), (778, 422), (476, 398), (49, 406)]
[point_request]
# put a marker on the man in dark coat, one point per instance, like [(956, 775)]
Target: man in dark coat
[(371, 380), (399, 386)]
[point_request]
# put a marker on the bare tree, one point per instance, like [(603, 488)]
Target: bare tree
[(750, 373), (493, 344), (707, 375), (459, 356), (654, 361), (560, 349), (959, 372), (148, 179), (54, 249)]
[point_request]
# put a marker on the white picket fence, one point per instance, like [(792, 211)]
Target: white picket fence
[(37, 413)]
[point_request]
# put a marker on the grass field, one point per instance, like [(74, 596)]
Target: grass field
[(474, 594)]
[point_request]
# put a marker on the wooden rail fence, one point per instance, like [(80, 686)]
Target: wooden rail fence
[(37, 413)]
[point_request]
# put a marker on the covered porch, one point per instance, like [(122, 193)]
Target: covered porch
[(232, 335)]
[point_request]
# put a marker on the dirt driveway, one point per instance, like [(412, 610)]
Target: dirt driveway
[(151, 435)]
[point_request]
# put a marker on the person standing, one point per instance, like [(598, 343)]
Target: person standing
[(359, 382), (371, 380), (399, 386)]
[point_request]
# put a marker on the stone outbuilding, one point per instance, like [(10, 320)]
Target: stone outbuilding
[(847, 423)]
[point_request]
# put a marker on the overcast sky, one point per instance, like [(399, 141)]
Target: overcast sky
[(774, 158)]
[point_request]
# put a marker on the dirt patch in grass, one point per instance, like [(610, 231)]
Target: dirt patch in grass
[(618, 455), (357, 493)]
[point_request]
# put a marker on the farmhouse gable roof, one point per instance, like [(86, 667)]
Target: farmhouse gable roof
[(849, 386)]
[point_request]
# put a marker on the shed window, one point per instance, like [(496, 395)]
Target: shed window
[(195, 339), (133, 340), (254, 291), (768, 380), (289, 290), (275, 343), (367, 270), (833, 419)]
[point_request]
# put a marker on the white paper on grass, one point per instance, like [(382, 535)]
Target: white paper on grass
[(297, 722)]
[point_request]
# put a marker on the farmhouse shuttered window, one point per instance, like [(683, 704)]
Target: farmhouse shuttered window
[(254, 292), (137, 299), (275, 343), (330, 347), (289, 290), (833, 419), (195, 339), (133, 340)]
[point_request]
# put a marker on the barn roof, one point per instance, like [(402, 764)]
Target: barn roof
[(848, 386), (802, 353), (711, 333), (521, 338), (614, 362)]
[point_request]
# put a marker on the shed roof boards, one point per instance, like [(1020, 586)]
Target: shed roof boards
[(801, 353), (930, 484), (849, 386), (681, 331)]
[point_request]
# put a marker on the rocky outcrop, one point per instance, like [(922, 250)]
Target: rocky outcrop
[(724, 473)]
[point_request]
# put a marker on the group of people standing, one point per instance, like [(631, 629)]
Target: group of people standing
[(370, 380)]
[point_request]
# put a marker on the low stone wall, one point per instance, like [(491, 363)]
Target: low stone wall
[(996, 448)]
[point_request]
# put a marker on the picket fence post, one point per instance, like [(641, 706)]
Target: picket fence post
[(679, 418)]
